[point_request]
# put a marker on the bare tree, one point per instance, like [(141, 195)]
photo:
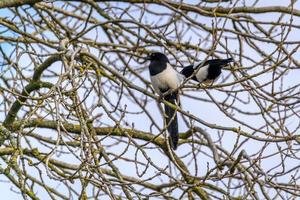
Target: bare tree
[(80, 120)]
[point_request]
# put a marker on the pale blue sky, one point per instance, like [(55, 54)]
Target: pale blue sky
[(205, 111)]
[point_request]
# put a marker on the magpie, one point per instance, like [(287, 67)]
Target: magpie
[(207, 71), (165, 80)]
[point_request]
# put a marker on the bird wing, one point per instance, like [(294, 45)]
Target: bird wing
[(199, 68), (201, 73)]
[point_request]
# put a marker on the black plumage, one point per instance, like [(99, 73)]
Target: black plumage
[(171, 119), (208, 70), (165, 79)]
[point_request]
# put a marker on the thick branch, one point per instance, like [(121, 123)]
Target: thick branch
[(18, 103), (35, 84), (14, 3), (72, 128), (203, 10), (217, 11)]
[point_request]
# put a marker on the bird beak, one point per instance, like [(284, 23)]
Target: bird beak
[(147, 58), (142, 60)]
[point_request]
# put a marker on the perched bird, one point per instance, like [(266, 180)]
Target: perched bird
[(165, 79), (206, 71)]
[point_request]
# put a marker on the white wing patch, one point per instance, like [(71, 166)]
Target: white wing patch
[(202, 73)]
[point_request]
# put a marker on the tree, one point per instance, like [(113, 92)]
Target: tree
[(80, 119)]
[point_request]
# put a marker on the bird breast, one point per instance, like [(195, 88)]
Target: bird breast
[(167, 79)]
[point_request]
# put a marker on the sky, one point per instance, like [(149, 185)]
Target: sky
[(192, 106)]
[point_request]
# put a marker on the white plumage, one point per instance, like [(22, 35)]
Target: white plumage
[(202, 73), (167, 79)]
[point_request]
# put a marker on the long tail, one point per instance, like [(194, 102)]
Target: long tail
[(171, 120), (228, 60), (219, 62)]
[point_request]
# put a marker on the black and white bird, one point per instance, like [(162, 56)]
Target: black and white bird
[(165, 79), (206, 71)]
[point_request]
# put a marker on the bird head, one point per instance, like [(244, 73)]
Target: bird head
[(157, 56)]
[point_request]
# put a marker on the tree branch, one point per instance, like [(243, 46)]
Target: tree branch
[(14, 3)]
